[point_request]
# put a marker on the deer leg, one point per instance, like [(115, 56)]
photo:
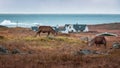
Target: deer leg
[(36, 34), (105, 46), (39, 33), (48, 33), (96, 45), (99, 45)]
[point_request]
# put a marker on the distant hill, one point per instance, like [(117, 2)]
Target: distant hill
[(1, 26), (110, 26)]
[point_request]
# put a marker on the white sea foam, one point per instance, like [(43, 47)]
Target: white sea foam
[(9, 23)]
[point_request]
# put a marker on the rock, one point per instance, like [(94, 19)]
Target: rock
[(30, 52), (90, 52), (101, 52), (3, 50), (84, 52), (16, 51), (116, 45)]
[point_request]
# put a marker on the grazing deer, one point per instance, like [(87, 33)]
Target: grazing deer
[(98, 40), (46, 29)]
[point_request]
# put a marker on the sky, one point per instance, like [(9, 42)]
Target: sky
[(60, 6)]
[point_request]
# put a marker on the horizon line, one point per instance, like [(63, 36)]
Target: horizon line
[(51, 13)]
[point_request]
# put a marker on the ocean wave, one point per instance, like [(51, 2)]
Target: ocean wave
[(9, 23)]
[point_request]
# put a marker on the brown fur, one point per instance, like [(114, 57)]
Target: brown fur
[(98, 40), (46, 29)]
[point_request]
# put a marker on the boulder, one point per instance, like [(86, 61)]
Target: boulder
[(90, 52), (16, 51), (116, 45), (3, 50), (84, 52)]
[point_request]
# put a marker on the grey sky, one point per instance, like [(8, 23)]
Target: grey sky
[(60, 6)]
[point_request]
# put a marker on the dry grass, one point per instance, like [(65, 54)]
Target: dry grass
[(52, 52)]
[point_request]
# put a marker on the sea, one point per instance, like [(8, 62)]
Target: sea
[(29, 20)]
